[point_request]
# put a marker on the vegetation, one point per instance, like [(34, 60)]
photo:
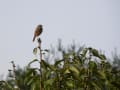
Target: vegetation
[(84, 68)]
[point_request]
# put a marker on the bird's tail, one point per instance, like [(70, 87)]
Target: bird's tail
[(34, 38)]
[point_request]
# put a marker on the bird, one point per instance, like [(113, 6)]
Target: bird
[(38, 31)]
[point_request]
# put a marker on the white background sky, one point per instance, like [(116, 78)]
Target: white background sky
[(94, 23)]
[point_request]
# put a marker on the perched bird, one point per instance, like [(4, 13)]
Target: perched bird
[(37, 32)]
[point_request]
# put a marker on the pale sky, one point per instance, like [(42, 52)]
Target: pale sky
[(94, 23)]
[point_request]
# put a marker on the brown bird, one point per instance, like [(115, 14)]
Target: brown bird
[(37, 32)]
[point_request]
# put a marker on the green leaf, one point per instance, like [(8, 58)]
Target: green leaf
[(74, 72), (70, 83), (74, 69), (48, 74), (102, 75), (58, 62), (5, 84), (49, 82), (32, 62), (35, 51), (66, 71), (47, 65), (95, 52), (102, 57), (92, 65), (84, 52), (30, 81), (96, 86), (46, 50)]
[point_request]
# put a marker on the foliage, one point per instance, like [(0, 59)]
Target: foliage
[(116, 58), (82, 69)]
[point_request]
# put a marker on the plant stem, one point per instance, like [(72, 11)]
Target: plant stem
[(41, 84), (14, 74)]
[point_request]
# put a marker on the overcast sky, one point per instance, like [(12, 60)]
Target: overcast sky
[(94, 23)]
